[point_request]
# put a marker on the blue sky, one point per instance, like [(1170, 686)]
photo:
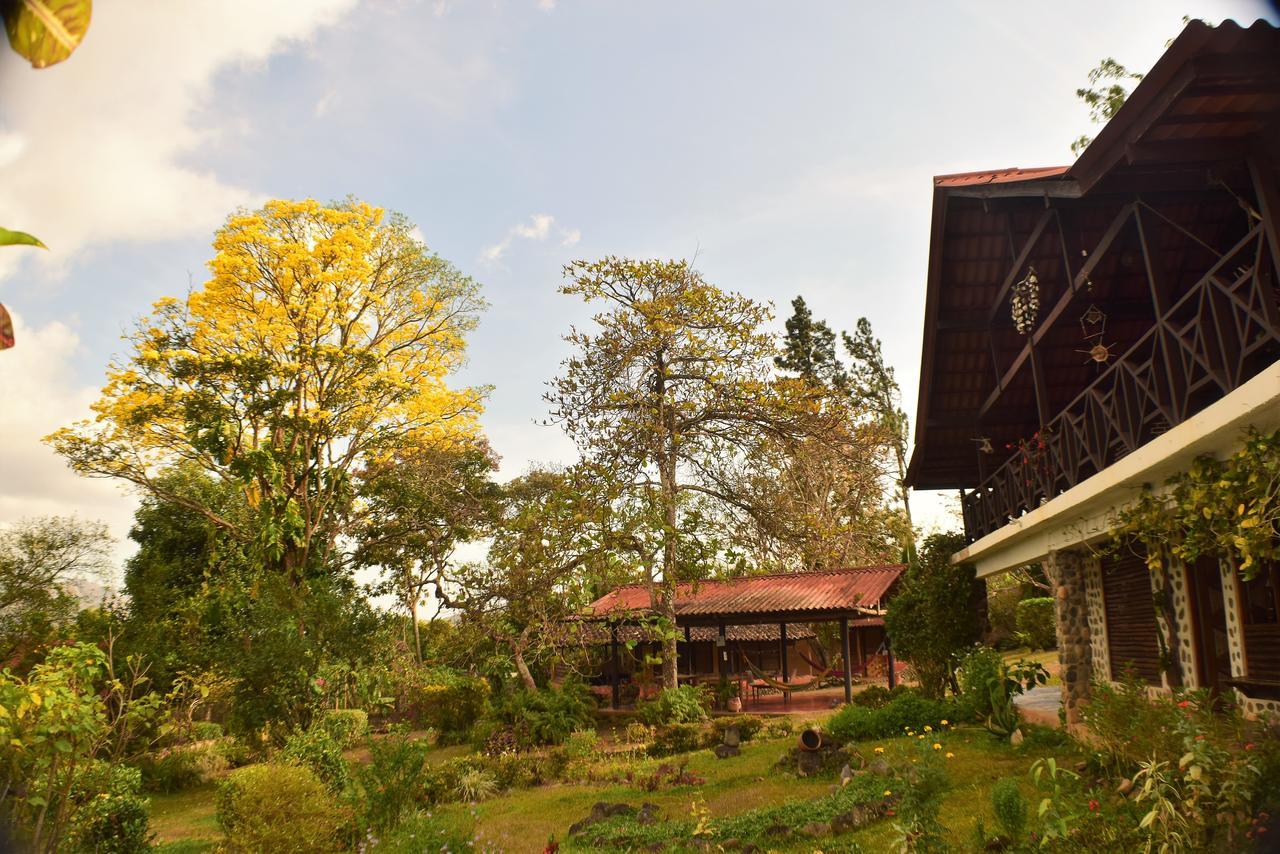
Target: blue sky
[(789, 145)]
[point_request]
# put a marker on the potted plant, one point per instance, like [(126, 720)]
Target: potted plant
[(727, 695)]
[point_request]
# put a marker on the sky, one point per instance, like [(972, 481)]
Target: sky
[(787, 147)]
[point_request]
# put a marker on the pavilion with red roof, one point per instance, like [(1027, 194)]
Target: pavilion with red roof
[(755, 620)]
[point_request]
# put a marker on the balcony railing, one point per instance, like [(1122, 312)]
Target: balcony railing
[(1214, 338)]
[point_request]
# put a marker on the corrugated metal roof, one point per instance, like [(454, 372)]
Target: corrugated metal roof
[(998, 176), (598, 633), (801, 592)]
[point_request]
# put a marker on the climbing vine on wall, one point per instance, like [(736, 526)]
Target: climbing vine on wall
[(1229, 506)]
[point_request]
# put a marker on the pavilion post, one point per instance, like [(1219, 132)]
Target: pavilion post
[(688, 652), (783, 634), (861, 657), (613, 652), (893, 677), (848, 656)]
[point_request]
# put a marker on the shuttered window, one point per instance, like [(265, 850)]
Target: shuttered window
[(1261, 600), (1131, 618)]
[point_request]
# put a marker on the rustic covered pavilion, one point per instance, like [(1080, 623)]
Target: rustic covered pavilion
[(757, 609)]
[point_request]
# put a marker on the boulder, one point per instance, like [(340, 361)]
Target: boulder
[(600, 811), (724, 751), (732, 738), (648, 814), (1125, 787), (808, 762), (1016, 738), (880, 767), (816, 829)]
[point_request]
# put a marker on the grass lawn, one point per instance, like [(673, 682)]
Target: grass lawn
[(524, 820)]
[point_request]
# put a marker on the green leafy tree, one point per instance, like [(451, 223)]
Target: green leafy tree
[(933, 617), (41, 562), (809, 349), (676, 378), (431, 501), (1105, 95), (872, 384)]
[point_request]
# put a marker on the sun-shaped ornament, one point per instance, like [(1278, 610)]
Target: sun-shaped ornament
[(1093, 323)]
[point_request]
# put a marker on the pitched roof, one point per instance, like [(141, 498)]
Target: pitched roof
[(799, 593), (598, 633), (997, 176)]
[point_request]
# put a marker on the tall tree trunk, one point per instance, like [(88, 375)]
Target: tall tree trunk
[(667, 599), (417, 631), (521, 667), (902, 483)]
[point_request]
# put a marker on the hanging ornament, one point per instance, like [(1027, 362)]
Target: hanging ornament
[(1025, 302), (1093, 325), (6, 329), (984, 444)]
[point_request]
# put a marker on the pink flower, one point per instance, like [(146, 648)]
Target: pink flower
[(1184, 704), (320, 683), (1093, 805)]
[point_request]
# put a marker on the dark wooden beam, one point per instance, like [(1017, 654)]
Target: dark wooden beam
[(1266, 186), (782, 633), (1064, 301), (848, 659), (1019, 262), (1049, 189)]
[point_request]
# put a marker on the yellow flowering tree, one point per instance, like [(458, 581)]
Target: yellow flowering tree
[(321, 344)]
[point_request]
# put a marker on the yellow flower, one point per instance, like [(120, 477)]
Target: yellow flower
[(879, 750), (937, 746), (944, 723), (887, 793), (951, 755), (928, 728), (921, 737)]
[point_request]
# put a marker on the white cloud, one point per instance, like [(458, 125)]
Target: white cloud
[(546, 5), (41, 395), (539, 227), (103, 137), (325, 103)]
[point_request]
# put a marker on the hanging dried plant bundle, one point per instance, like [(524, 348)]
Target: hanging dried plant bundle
[(1025, 302)]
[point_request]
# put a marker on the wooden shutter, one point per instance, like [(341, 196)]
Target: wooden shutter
[(1132, 631)]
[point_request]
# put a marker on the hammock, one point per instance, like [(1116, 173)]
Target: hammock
[(814, 682)]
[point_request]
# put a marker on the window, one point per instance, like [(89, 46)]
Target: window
[(1261, 597)]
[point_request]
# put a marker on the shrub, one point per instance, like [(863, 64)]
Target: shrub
[(1036, 627), (1002, 615), (676, 738), (316, 749), (206, 731), (978, 669), (112, 816), (421, 831), (542, 717), (346, 726), (684, 704), (877, 696), (747, 726), (909, 710), (182, 767), (392, 779), (1010, 807), (779, 727), (582, 744), (445, 700), (278, 808), (476, 784)]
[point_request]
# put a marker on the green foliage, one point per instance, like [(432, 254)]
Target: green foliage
[(1107, 99), (542, 717), (46, 33), (9, 237), (1010, 807), (112, 817), (878, 696), (988, 685), (1229, 507), (1002, 615), (809, 349), (279, 808), (779, 727), (445, 700), (423, 831), (670, 739), (978, 670), (205, 731), (931, 621), (910, 710), (748, 727), (182, 767), (319, 751), (684, 704), (391, 781), (1036, 624), (920, 801), (346, 726)]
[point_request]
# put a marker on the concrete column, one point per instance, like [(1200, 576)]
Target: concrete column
[(1066, 571)]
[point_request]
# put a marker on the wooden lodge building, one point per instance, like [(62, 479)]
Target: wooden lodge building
[(1089, 331), (729, 629)]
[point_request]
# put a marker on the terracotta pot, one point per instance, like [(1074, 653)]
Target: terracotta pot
[(735, 704)]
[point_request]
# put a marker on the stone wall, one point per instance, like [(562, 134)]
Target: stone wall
[(1097, 615), (1066, 570)]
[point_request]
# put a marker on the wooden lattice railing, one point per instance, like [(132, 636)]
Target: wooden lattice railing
[(1215, 337)]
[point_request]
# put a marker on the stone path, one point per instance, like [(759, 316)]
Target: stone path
[(1040, 705)]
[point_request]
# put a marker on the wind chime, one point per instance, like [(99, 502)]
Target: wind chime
[(1024, 303), (1093, 325)]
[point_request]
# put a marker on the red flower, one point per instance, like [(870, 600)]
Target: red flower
[(1199, 738), (1250, 746), (1093, 805), (320, 683), (1184, 704)]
